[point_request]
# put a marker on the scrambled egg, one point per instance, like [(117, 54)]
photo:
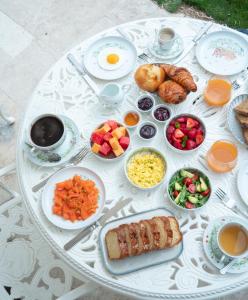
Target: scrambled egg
[(146, 169)]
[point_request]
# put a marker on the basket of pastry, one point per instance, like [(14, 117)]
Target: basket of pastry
[(140, 241), (171, 83)]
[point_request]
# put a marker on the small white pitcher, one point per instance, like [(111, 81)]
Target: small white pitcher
[(112, 94)]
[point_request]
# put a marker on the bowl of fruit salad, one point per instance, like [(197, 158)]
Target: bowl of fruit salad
[(189, 189), (110, 140), (185, 133)]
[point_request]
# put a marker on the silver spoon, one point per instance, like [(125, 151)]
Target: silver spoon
[(9, 120), (228, 266), (50, 156)]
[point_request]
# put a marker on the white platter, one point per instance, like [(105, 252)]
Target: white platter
[(232, 122), (223, 53), (48, 194), (242, 180), (135, 263), (127, 52)]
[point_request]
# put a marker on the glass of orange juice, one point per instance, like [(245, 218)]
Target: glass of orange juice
[(222, 156), (218, 91)]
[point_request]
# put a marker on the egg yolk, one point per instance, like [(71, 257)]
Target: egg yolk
[(113, 58)]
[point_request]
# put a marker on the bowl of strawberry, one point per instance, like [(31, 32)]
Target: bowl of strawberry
[(189, 189), (110, 140), (185, 133)]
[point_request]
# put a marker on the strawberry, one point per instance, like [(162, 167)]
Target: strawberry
[(187, 181), (192, 188), (199, 139), (178, 134), (189, 205), (205, 193), (199, 131), (190, 123), (190, 145), (177, 145), (170, 130), (181, 120), (192, 133)]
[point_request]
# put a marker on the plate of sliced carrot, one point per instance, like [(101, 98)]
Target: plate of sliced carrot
[(73, 198)]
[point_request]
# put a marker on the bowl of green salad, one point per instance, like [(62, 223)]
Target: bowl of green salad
[(189, 189)]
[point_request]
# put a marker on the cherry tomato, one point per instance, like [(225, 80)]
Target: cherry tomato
[(205, 193), (187, 181), (189, 205)]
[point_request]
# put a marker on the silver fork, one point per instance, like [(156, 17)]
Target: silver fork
[(236, 84), (74, 160), (229, 202), (141, 53)]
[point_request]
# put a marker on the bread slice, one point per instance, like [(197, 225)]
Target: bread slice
[(162, 232), (149, 233), (155, 233), (243, 120), (242, 108), (144, 237), (177, 235), (113, 247), (245, 134), (168, 230), (134, 240)]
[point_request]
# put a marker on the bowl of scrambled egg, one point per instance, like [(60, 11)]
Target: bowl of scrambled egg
[(145, 168)]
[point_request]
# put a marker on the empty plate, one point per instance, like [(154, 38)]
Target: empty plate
[(48, 194), (223, 53)]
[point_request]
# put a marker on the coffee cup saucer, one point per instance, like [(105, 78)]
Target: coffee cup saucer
[(171, 53), (212, 250), (66, 150)]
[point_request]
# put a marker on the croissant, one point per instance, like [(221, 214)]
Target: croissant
[(172, 92), (181, 76)]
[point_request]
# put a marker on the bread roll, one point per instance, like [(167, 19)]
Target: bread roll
[(144, 236), (148, 77), (172, 92)]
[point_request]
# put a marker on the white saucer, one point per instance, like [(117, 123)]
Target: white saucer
[(212, 251), (232, 122), (128, 56), (48, 194), (171, 53), (242, 180), (69, 147), (223, 52)]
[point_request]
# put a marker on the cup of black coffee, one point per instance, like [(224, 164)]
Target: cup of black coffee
[(47, 132)]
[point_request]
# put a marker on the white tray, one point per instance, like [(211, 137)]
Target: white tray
[(134, 263)]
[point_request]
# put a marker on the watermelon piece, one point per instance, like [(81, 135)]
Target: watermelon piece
[(107, 136), (113, 124), (97, 138), (105, 149), (124, 142)]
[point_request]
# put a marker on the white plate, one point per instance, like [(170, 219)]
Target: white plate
[(232, 122), (134, 263), (242, 180), (128, 56), (223, 53), (48, 194), (66, 150), (212, 251)]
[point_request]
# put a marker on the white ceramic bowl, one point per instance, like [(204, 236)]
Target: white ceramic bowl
[(158, 106), (135, 112), (145, 96), (192, 170), (147, 123), (112, 158), (185, 151), (140, 150)]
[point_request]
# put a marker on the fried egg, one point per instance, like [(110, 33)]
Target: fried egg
[(110, 58)]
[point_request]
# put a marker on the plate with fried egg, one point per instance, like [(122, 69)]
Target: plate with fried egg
[(110, 58)]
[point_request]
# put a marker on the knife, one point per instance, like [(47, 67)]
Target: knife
[(119, 205), (194, 41)]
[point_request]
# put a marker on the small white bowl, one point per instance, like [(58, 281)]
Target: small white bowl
[(135, 112), (185, 151), (147, 123), (145, 96), (140, 150), (180, 207), (158, 106)]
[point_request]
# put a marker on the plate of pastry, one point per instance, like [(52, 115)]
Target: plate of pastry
[(237, 118), (110, 58), (139, 241), (171, 83)]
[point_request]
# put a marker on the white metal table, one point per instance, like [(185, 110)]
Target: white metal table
[(63, 91)]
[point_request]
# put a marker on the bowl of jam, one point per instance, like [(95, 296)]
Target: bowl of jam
[(145, 103), (131, 118), (147, 130), (161, 113)]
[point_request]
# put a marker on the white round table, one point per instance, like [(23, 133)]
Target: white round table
[(63, 91)]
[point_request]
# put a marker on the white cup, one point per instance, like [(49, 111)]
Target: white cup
[(166, 38)]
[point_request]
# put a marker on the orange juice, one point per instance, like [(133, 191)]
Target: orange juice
[(217, 92), (222, 156)]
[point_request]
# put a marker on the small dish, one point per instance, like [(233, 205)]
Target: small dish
[(149, 129), (148, 105), (135, 263), (48, 194), (134, 114), (159, 167), (177, 134), (191, 184), (163, 114)]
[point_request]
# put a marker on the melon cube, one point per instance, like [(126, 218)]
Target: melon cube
[(124, 142), (96, 148), (118, 151), (104, 129), (105, 149), (119, 132), (114, 143)]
